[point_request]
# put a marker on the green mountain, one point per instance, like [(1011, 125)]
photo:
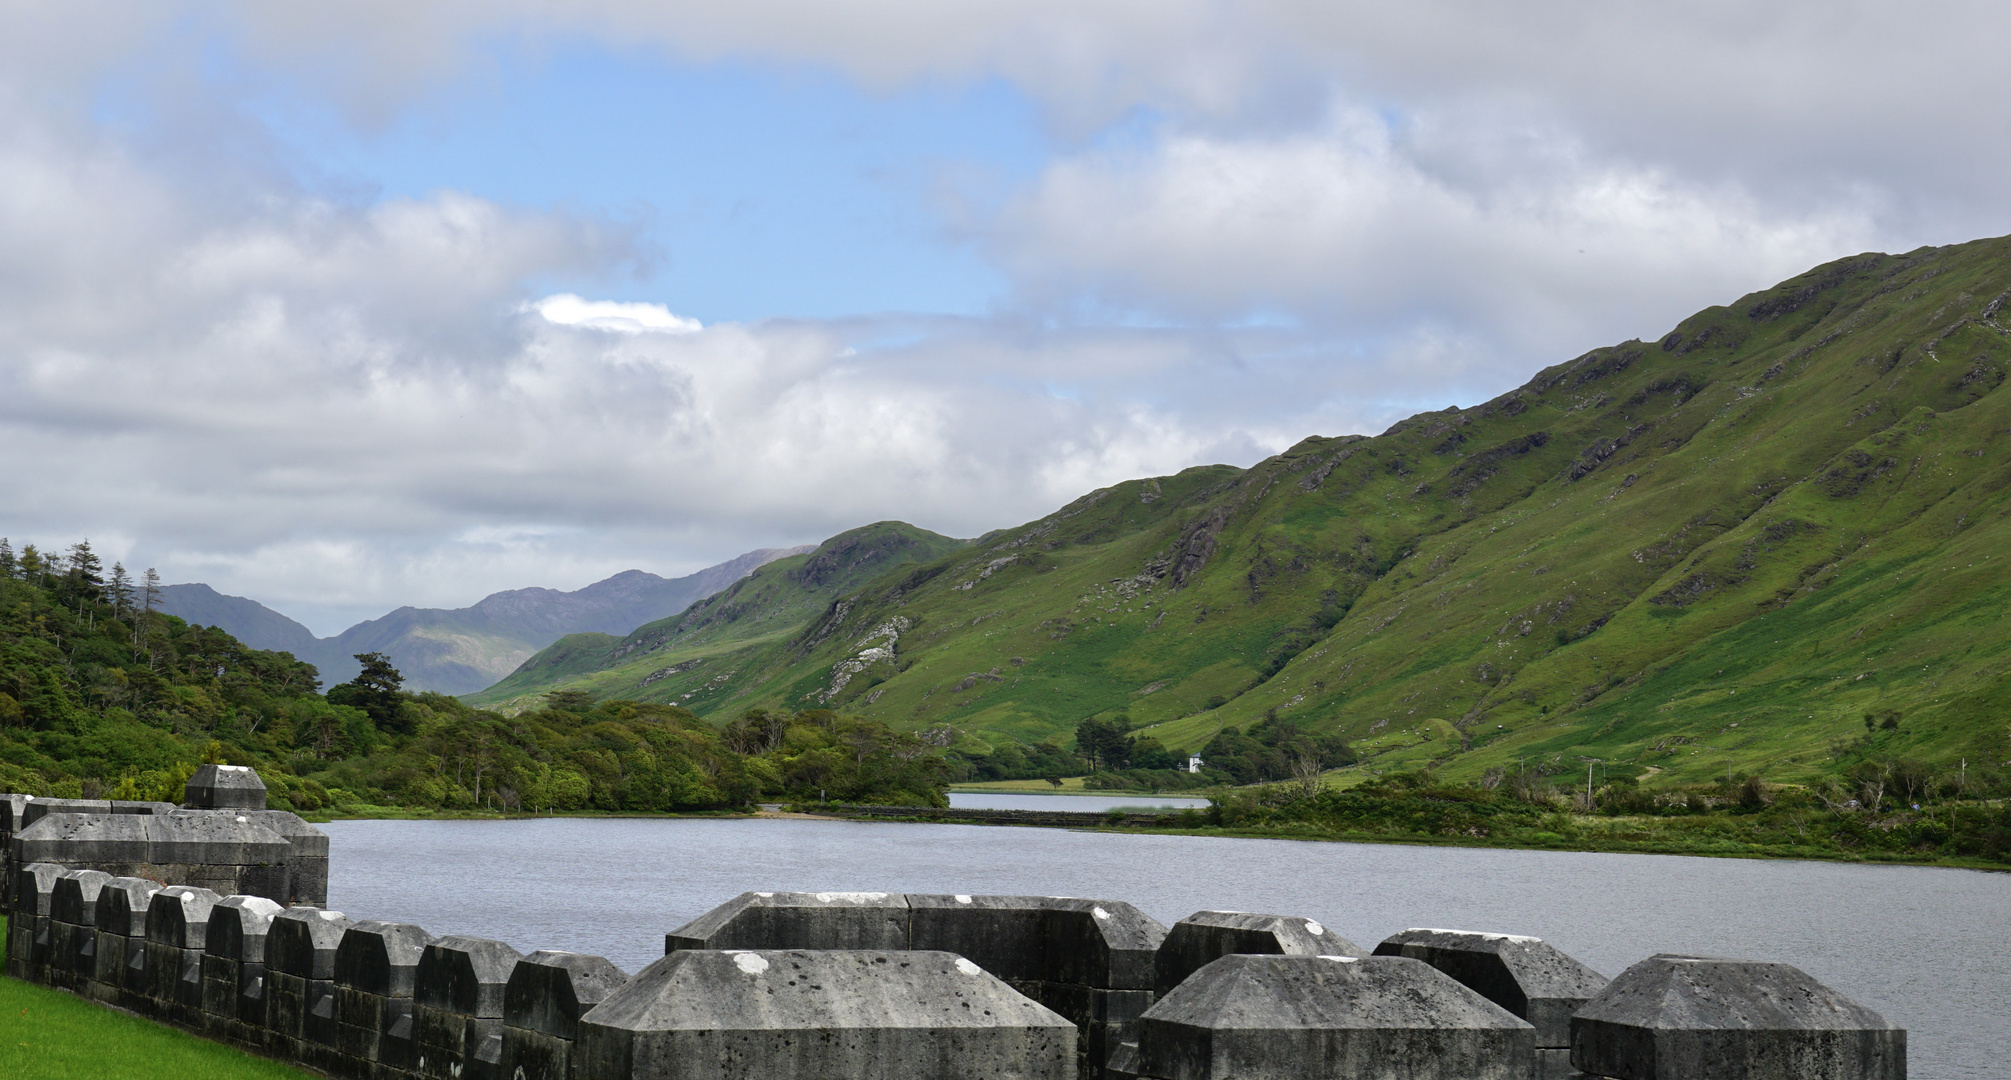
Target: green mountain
[(708, 640), (462, 649), (1774, 538)]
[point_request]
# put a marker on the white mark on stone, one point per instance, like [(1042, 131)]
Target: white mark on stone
[(330, 915), (1341, 959), (1100, 913), (962, 899), (765, 895), (1314, 928), (850, 897), (1519, 939), (968, 968), (241, 819), (750, 963)]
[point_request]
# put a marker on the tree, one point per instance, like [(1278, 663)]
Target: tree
[(8, 564), (375, 690), (84, 574), (119, 590)]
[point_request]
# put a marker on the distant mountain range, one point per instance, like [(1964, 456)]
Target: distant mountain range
[(466, 649), (1773, 540)]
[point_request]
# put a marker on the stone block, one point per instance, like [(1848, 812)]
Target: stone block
[(307, 881), (380, 957), (220, 986), (107, 966), (238, 926), (33, 886), (461, 980), (1199, 939), (1101, 943), (785, 920), (233, 966), (71, 838), (123, 903), (219, 787), (206, 838), (74, 896), (548, 991), (286, 1000), (177, 928), (467, 975), (1525, 975), (38, 809), (303, 941), (834, 1015), (533, 1055), (1258, 1017), (179, 916), (1005, 935), (485, 1051), (376, 966), (12, 806), (1687, 1016)]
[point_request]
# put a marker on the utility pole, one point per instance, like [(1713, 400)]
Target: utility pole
[(1591, 763)]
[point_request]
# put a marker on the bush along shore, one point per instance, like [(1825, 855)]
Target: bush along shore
[(1740, 817)]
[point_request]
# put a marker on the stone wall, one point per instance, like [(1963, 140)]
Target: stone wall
[(222, 839)]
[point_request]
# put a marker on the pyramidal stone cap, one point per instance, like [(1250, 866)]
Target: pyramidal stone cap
[(1205, 936), (225, 787), (550, 990), (1671, 1017), (1527, 976), (1252, 1017), (833, 1015)]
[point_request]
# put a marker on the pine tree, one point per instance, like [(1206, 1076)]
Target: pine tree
[(7, 561), (119, 590), (85, 572)]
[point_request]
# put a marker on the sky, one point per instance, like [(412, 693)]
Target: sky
[(349, 306)]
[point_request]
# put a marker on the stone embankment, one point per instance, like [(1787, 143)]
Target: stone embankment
[(870, 986)]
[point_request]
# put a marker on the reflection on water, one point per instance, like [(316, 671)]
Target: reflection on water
[(1092, 804), (1926, 947)]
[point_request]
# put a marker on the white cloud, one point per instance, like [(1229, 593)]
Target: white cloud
[(1540, 250), (568, 309)]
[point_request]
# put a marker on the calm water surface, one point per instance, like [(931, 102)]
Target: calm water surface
[(1092, 804), (1926, 947)]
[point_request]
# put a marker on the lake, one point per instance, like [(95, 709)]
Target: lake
[(1926, 947), (1090, 804)]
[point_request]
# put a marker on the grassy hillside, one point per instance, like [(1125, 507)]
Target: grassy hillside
[(1772, 539), (689, 658)]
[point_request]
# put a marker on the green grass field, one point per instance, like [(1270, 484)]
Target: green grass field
[(52, 1035)]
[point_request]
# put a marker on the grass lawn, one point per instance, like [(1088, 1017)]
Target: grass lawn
[(51, 1035)]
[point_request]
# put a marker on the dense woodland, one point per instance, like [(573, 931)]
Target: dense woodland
[(103, 697)]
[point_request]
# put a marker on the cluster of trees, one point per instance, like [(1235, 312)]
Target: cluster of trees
[(102, 696), (1273, 749), (1044, 760), (1107, 744)]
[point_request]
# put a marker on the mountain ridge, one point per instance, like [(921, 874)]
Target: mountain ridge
[(1660, 556), (456, 650)]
